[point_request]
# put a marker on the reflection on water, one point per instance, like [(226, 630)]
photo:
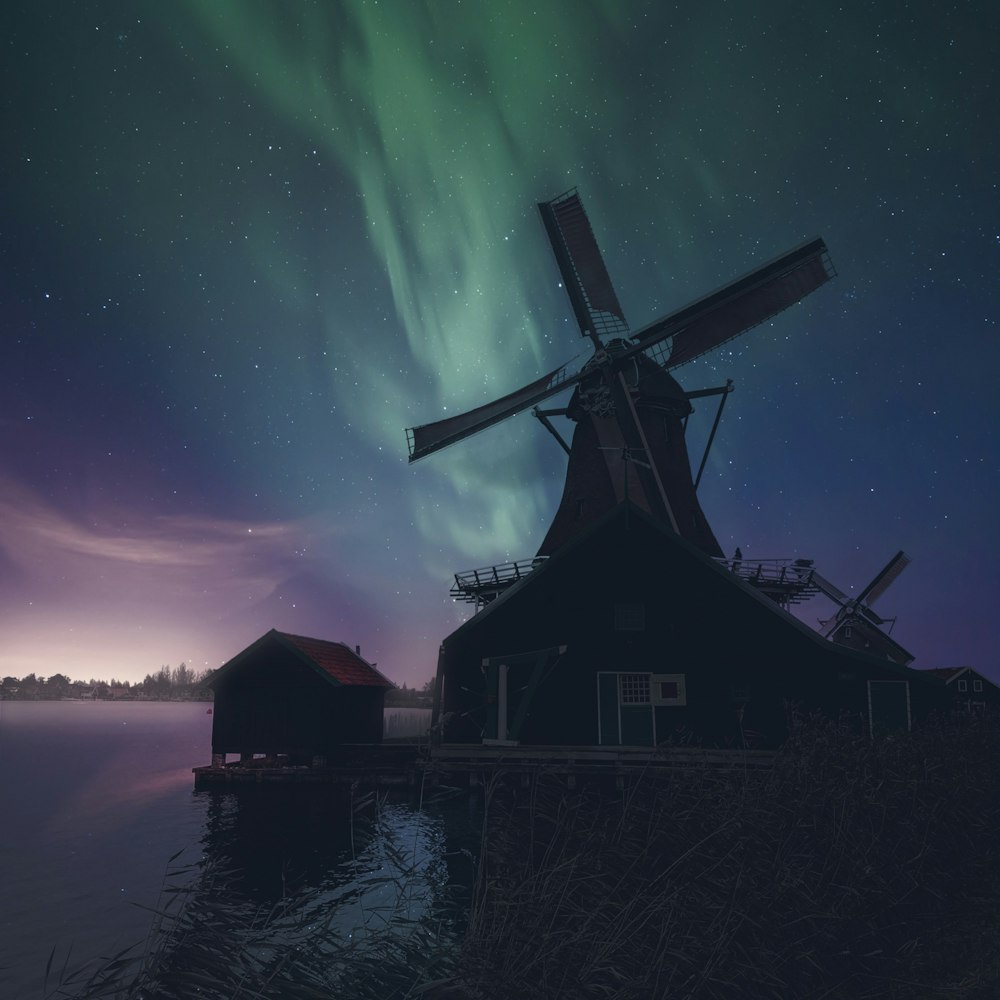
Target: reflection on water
[(117, 793), (358, 897), (97, 797), (277, 841)]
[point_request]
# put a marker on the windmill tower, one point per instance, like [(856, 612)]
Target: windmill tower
[(630, 411)]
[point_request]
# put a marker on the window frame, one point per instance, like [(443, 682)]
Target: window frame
[(679, 679), (637, 680)]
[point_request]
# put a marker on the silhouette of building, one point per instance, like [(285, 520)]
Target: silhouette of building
[(295, 697), (632, 635), (970, 690)]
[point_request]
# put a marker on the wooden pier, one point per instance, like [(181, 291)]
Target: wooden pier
[(388, 764), (476, 760), (397, 764)]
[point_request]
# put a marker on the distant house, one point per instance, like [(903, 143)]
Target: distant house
[(294, 696), (631, 635), (970, 690)]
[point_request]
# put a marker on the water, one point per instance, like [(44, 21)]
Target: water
[(97, 796)]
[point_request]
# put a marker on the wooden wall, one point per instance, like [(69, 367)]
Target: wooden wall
[(732, 648), (274, 703)]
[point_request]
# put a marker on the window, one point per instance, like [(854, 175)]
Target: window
[(848, 632), (669, 689), (634, 689), (977, 685), (963, 685), (630, 617)]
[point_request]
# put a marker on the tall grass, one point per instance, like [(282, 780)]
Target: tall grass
[(205, 941), (851, 869)]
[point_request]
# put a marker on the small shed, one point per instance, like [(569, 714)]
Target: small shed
[(971, 691), (630, 635), (295, 697)]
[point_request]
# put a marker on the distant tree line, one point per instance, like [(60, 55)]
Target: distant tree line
[(167, 684), (176, 684)]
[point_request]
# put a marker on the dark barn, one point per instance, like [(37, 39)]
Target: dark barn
[(970, 690), (631, 635), (293, 696)]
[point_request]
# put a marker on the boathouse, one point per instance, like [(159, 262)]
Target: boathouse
[(296, 698), (629, 635)]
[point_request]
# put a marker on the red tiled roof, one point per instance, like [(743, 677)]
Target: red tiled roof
[(341, 662)]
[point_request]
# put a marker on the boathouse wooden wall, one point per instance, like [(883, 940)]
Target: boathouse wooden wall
[(273, 703), (742, 658)]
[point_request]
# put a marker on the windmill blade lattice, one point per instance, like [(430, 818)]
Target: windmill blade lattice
[(884, 578), (747, 302), (428, 438), (585, 277)]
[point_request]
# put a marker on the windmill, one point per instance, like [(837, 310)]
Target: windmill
[(630, 412), (855, 624)]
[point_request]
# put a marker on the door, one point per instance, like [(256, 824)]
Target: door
[(888, 707), (625, 709)]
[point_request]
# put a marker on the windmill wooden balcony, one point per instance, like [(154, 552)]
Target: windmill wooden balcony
[(785, 581), (480, 586)]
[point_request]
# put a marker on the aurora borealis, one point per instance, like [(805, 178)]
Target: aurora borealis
[(246, 244)]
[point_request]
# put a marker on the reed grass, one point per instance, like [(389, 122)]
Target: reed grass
[(851, 869)]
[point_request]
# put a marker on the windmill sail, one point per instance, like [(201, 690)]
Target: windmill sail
[(753, 299), (432, 437), (626, 398), (881, 583), (855, 623), (587, 282)]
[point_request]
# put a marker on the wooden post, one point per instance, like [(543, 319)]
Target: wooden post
[(502, 702), (218, 760)]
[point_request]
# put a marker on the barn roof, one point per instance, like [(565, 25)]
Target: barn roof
[(335, 660), (684, 549), (947, 674)]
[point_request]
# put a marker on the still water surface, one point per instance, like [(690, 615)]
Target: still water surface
[(97, 796)]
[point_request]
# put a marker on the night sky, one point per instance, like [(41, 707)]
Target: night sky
[(244, 245)]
